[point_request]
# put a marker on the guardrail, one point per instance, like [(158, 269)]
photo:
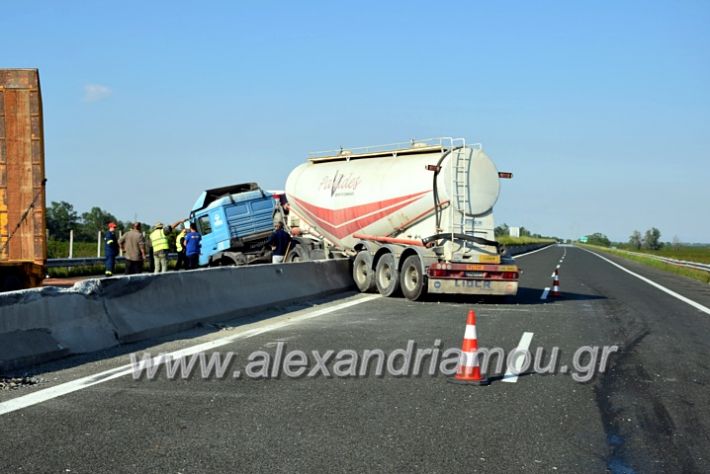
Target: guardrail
[(87, 261), (683, 263), (672, 261)]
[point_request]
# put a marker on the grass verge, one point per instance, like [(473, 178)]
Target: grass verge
[(512, 241), (698, 275)]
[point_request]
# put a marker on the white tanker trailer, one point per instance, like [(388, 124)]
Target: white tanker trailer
[(416, 217)]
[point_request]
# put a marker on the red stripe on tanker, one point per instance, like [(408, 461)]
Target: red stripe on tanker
[(342, 222)]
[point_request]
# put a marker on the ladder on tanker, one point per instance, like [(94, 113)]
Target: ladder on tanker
[(461, 223)]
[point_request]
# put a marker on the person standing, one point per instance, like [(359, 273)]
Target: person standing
[(149, 254), (110, 249), (133, 245), (159, 242), (180, 247), (192, 247), (280, 242)]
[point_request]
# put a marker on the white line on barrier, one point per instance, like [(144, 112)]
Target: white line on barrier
[(41, 396), (511, 375), (545, 293), (534, 251), (692, 303)]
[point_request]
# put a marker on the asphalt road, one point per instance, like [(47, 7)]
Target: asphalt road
[(648, 412)]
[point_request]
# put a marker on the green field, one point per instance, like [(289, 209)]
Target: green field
[(58, 249), (691, 253)]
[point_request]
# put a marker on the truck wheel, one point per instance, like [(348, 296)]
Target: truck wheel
[(411, 279), (386, 275), (363, 273), (233, 260), (297, 254)]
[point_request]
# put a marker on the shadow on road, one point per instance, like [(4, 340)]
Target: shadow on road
[(525, 296)]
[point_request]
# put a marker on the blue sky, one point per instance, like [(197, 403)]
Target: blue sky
[(600, 109)]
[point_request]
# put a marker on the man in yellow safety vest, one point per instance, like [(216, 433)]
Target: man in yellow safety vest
[(159, 240), (180, 247)]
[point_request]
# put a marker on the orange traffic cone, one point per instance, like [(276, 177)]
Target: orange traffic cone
[(556, 284), (469, 372)]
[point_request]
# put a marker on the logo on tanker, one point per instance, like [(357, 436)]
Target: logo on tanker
[(340, 184)]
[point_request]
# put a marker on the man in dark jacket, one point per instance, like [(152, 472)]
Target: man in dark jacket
[(110, 248), (280, 242)]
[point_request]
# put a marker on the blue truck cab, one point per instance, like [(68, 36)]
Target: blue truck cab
[(235, 223)]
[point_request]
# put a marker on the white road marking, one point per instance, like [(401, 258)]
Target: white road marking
[(682, 298), (511, 376), (250, 330), (534, 251), (545, 293)]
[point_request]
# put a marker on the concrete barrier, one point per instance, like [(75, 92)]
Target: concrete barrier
[(47, 323)]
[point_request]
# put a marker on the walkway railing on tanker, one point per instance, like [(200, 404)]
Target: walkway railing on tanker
[(440, 142)]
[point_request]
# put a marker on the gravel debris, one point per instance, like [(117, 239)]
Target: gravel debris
[(17, 382)]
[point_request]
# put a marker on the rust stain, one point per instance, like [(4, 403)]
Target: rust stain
[(21, 166)]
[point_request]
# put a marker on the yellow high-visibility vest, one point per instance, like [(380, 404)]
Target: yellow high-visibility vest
[(180, 236), (159, 240)]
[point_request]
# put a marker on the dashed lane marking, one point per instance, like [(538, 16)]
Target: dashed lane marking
[(511, 375)]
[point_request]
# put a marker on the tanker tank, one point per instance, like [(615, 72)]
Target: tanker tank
[(432, 199)]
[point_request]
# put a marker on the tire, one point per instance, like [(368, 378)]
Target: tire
[(411, 279), (297, 254), (233, 260), (363, 273), (386, 275)]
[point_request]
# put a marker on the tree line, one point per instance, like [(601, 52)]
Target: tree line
[(650, 240), (504, 230), (63, 218)]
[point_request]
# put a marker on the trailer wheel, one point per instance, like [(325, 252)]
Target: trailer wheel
[(386, 275), (363, 273), (411, 279)]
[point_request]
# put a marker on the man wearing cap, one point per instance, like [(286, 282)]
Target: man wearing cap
[(111, 248), (159, 241)]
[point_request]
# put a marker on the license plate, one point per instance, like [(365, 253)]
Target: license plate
[(475, 274)]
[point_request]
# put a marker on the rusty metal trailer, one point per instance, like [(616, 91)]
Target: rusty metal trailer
[(23, 240)]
